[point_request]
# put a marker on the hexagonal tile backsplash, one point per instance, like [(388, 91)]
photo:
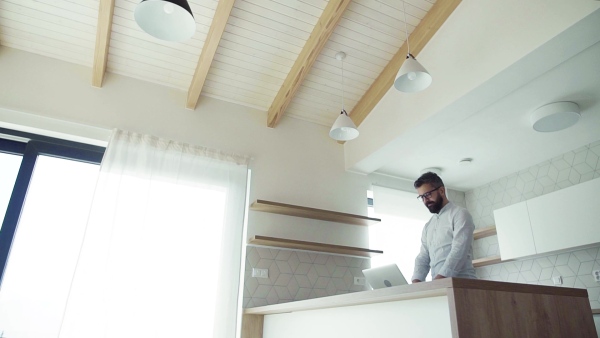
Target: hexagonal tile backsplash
[(575, 267), (298, 275)]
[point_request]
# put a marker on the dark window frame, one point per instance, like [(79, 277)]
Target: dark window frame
[(37, 145)]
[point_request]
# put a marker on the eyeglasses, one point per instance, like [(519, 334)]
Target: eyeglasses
[(427, 195)]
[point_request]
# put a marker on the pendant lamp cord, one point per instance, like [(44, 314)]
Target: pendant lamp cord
[(406, 29), (343, 109)]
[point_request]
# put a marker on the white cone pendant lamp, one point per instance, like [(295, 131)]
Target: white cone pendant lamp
[(343, 128), (170, 20), (412, 76)]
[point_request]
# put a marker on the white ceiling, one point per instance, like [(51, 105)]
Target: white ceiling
[(490, 124), (261, 42), (510, 56), (500, 139)]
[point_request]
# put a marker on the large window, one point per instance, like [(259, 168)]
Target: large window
[(399, 233), (46, 187), (149, 244)]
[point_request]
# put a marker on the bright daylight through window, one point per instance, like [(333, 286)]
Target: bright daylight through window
[(44, 252), (399, 233), (118, 252), (155, 267)]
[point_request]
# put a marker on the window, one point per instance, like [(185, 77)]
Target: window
[(148, 246), (399, 233), (46, 190), (11, 154)]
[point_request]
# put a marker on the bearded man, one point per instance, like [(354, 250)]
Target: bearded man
[(447, 239)]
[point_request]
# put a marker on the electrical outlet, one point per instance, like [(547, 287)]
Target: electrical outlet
[(596, 274), (557, 280), (260, 273), (359, 280)]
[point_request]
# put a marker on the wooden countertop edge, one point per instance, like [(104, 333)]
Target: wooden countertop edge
[(517, 287), (596, 311), (411, 291)]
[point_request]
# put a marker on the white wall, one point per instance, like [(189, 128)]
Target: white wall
[(295, 163)]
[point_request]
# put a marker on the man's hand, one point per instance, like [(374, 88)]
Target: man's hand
[(439, 277), (416, 281)]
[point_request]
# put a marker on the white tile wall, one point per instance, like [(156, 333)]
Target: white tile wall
[(298, 275), (575, 267), (456, 197)]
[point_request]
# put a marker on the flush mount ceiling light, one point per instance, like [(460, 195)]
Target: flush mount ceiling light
[(343, 128), (555, 116), (412, 76), (170, 20)]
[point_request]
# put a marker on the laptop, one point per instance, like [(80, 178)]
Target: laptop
[(384, 276)]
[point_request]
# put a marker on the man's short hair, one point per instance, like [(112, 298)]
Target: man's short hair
[(429, 178)]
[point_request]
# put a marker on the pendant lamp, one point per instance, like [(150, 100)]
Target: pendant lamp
[(170, 20), (412, 76), (343, 128)]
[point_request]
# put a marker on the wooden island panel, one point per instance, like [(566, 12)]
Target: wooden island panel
[(499, 314)]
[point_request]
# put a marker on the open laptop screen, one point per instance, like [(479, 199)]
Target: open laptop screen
[(384, 276)]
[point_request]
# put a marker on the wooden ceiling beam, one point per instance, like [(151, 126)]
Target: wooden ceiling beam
[(208, 51), (105, 15), (315, 43), (418, 39)]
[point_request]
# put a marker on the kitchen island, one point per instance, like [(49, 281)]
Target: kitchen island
[(451, 307)]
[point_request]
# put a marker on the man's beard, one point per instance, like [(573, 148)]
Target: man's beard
[(435, 206)]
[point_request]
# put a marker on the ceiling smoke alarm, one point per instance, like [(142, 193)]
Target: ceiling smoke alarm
[(465, 161)]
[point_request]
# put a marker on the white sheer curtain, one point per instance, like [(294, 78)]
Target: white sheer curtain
[(161, 256), (399, 233)]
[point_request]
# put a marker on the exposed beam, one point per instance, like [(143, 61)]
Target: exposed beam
[(105, 14), (208, 51), (424, 31), (315, 43)]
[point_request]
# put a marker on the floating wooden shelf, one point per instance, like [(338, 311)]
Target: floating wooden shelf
[(312, 246), (481, 233), (320, 214), (484, 232), (486, 261)]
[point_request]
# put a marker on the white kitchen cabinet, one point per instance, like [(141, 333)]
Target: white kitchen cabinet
[(515, 238), (566, 218)]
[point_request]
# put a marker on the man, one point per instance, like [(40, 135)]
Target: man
[(447, 239)]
